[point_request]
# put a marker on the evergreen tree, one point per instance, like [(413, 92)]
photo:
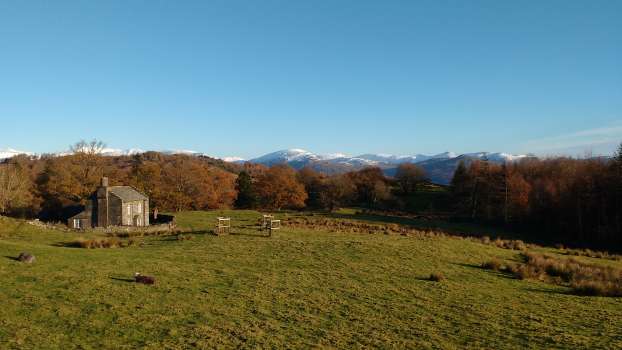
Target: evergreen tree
[(247, 198), (460, 188)]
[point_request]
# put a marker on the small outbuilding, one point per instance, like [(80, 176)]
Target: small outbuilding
[(113, 206)]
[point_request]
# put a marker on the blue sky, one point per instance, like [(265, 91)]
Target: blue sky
[(249, 77)]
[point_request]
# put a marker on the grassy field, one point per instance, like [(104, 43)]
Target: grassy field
[(298, 288)]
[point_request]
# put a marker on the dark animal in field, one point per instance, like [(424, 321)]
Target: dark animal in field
[(26, 258), (143, 279)]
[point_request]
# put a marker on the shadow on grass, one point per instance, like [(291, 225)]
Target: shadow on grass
[(123, 279), (503, 274), (66, 245), (12, 258), (259, 234), (426, 279), (557, 291), (419, 222)]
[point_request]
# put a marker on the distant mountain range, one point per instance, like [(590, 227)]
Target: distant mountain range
[(439, 167)]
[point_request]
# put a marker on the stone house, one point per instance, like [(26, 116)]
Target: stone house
[(113, 206)]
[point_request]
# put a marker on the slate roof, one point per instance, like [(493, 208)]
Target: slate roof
[(127, 193)]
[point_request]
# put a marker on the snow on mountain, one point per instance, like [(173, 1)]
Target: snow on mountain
[(121, 152), (10, 153), (498, 157), (181, 151), (232, 159), (286, 156), (440, 167)]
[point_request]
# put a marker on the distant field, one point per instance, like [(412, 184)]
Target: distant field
[(298, 288)]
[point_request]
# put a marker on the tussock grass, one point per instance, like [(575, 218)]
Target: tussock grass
[(592, 254), (582, 278)]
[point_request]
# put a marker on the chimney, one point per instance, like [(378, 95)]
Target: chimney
[(104, 181)]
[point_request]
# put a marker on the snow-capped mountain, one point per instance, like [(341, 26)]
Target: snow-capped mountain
[(392, 159), (440, 167), (299, 157), (497, 157), (10, 153)]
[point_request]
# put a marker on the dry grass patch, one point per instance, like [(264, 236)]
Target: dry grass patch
[(111, 242), (582, 278)]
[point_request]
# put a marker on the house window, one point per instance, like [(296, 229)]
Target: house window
[(77, 223), (139, 207)]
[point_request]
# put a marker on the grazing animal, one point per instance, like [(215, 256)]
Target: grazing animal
[(26, 258), (138, 278)]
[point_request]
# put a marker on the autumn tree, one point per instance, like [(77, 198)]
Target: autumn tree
[(313, 182), (279, 188), (14, 188), (408, 176), (336, 191), (371, 186)]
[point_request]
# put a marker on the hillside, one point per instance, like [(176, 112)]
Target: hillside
[(302, 287)]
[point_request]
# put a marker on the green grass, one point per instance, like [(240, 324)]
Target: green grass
[(296, 289)]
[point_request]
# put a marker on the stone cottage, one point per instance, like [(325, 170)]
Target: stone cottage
[(113, 206)]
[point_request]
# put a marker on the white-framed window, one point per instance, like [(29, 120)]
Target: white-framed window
[(77, 223), (139, 207)]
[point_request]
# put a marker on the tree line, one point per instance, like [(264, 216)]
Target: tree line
[(565, 199), (49, 186)]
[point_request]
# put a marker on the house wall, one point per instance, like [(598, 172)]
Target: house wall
[(133, 209), (101, 208), (146, 212), (115, 210)]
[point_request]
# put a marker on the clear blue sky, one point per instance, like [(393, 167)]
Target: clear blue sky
[(248, 77)]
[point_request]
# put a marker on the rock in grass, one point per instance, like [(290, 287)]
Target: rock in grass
[(26, 258), (138, 278)]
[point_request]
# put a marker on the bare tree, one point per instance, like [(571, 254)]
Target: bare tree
[(88, 159), (408, 176), (93, 147)]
